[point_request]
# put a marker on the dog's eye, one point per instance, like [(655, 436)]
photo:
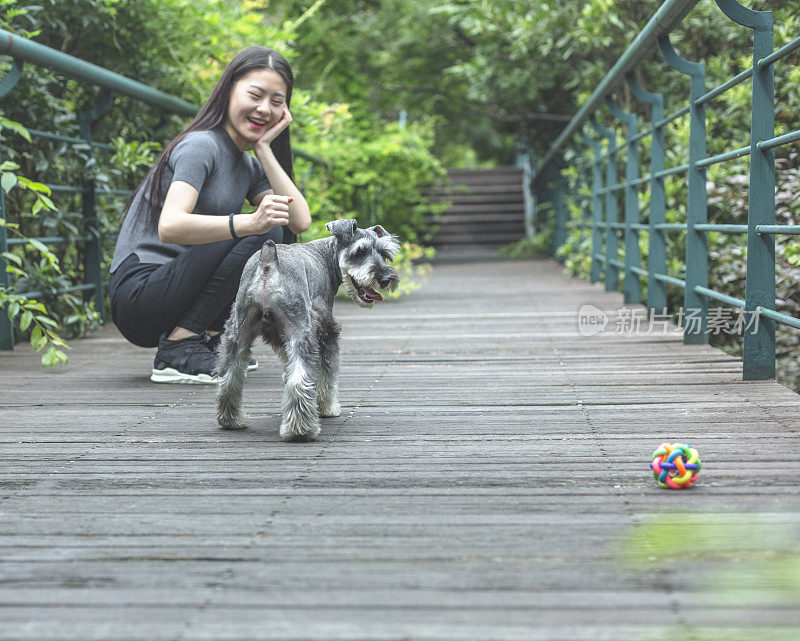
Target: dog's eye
[(360, 253)]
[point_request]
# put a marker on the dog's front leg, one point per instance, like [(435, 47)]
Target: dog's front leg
[(300, 415), (232, 358)]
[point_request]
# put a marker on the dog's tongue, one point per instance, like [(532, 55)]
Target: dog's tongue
[(372, 294)]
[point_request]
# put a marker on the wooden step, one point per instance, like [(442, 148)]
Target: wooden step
[(452, 218), (474, 199), (453, 193), (509, 227), (505, 221), (480, 173), (512, 182), (486, 209), (477, 240), (509, 209)]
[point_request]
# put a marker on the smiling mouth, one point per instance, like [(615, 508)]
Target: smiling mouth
[(367, 294), (257, 123)]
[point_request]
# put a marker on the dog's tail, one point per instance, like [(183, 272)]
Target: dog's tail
[(269, 256)]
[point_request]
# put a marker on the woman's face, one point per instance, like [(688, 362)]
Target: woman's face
[(256, 104)]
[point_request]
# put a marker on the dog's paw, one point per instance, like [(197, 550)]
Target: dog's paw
[(330, 410), (236, 421), (299, 431)]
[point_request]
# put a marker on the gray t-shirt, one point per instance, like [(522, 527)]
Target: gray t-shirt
[(211, 163)]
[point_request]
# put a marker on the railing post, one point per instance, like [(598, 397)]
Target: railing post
[(630, 287), (527, 194), (586, 210), (560, 210), (524, 162), (656, 243), (541, 195), (534, 224), (612, 214), (696, 204), (759, 346), (93, 251), (547, 188), (597, 205)]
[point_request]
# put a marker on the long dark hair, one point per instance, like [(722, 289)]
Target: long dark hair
[(213, 114)]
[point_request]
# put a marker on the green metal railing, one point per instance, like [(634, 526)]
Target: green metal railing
[(23, 51), (599, 200)]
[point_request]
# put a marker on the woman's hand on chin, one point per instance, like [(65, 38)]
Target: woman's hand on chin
[(274, 131)]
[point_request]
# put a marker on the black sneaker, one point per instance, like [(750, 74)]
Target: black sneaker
[(188, 360), (213, 343)]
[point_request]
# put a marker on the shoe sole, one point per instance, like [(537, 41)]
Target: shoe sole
[(170, 375)]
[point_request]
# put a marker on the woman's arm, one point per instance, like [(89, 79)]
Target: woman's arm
[(299, 214), (177, 224)]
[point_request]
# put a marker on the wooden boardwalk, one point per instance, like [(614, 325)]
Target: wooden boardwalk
[(487, 480)]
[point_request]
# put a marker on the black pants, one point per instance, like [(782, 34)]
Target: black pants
[(194, 290)]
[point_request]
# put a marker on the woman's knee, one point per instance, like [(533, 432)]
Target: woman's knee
[(133, 325)]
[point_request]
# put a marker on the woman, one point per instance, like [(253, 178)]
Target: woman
[(184, 244)]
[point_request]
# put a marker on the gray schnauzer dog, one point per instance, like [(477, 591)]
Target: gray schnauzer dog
[(286, 297)]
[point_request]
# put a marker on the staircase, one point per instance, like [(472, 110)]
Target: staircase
[(486, 212)]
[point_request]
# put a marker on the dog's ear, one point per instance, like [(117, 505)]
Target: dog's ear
[(386, 241), (344, 229), (269, 255)]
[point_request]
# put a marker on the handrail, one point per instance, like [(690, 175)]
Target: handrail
[(668, 16), (44, 56), (603, 221)]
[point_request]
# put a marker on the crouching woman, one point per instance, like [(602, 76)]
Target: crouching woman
[(184, 244)]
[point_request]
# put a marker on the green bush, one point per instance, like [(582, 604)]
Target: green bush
[(539, 246), (376, 172), (29, 317)]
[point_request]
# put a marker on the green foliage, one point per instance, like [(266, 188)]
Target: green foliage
[(26, 314), (412, 266), (381, 58), (576, 253), (131, 159), (486, 70), (376, 172), (539, 246)]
